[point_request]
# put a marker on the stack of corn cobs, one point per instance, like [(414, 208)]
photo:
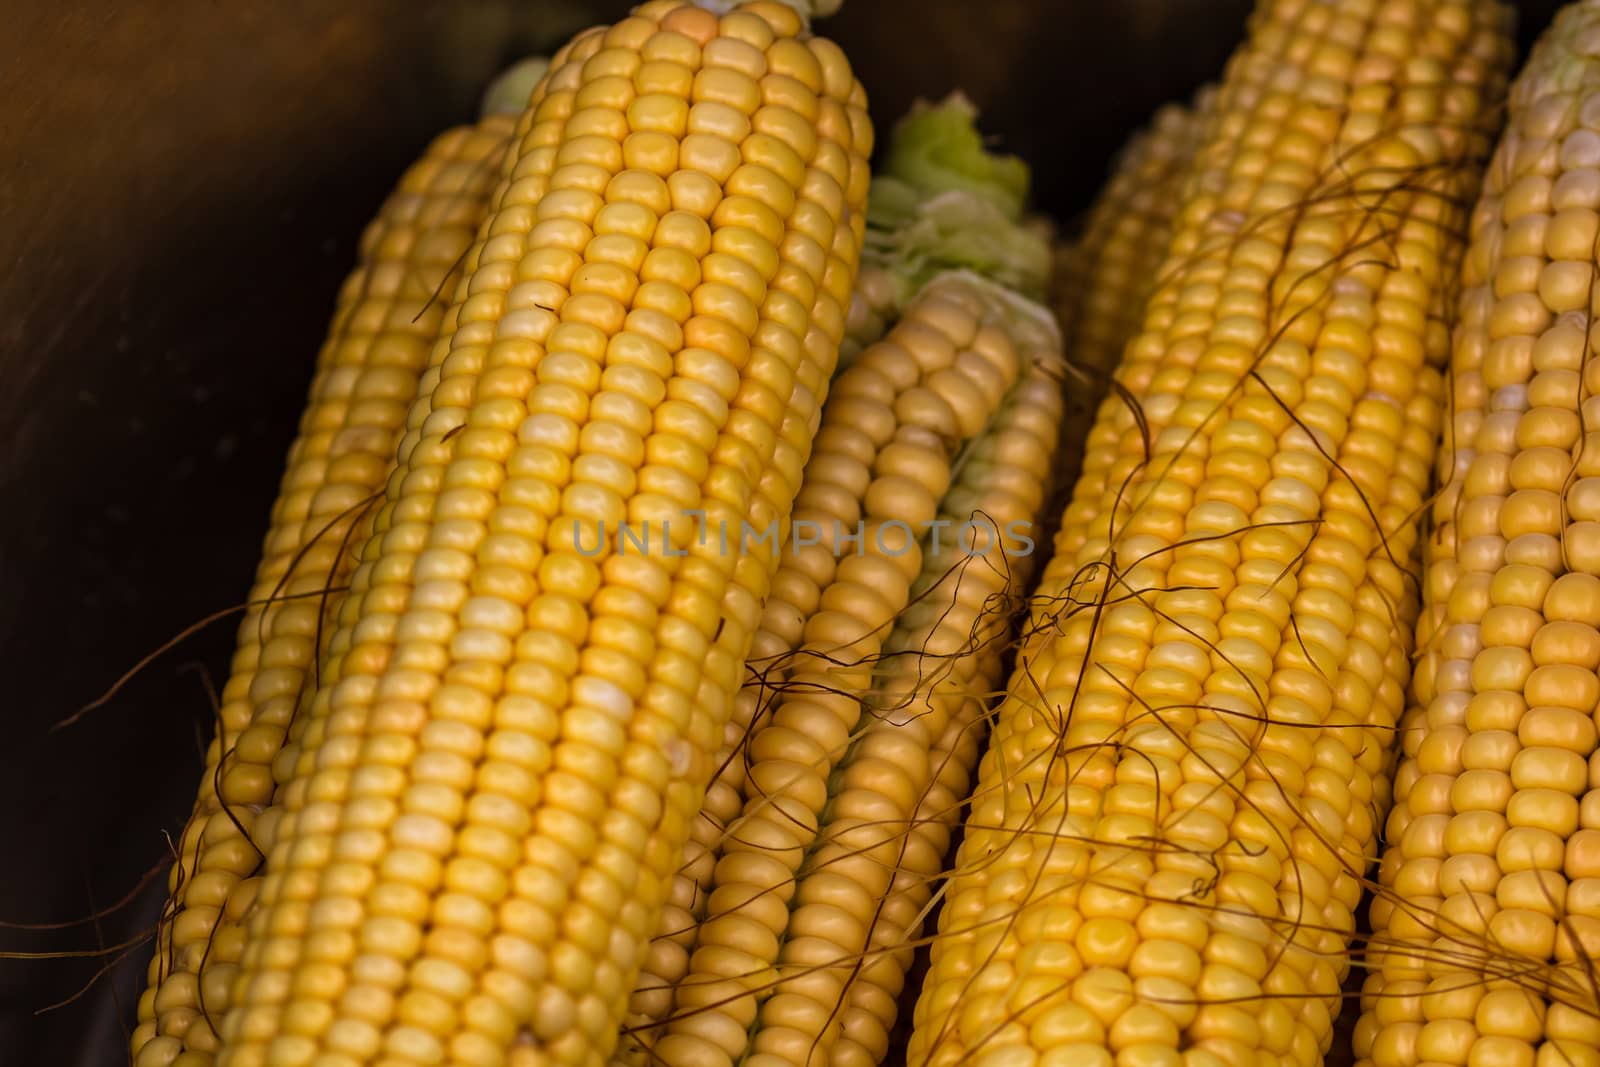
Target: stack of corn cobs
[(726, 606)]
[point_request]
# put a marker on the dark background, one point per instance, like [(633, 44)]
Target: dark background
[(181, 186)]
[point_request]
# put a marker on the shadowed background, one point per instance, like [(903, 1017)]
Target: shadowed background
[(181, 188)]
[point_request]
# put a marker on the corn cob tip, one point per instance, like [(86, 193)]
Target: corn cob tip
[(509, 92), (806, 9), (1020, 310), (937, 146)]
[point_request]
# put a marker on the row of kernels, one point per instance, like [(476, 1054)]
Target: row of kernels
[(1465, 776), (915, 824), (367, 371), (668, 951)]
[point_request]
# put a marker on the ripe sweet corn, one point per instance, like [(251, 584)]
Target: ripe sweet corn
[(387, 319), (785, 939), (963, 611), (1103, 278), (1177, 805), (1487, 920), (486, 798)]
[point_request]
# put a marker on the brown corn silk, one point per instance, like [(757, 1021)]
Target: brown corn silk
[(388, 316), (482, 804), (791, 923), (1173, 819), (1487, 919)]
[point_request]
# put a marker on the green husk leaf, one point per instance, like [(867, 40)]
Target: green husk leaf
[(508, 93), (937, 148), (941, 201), (960, 230)]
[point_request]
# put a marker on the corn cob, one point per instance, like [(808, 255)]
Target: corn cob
[(962, 613), (514, 728), (839, 685), (367, 372), (1487, 920), (1176, 807), (1102, 278), (509, 92)]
